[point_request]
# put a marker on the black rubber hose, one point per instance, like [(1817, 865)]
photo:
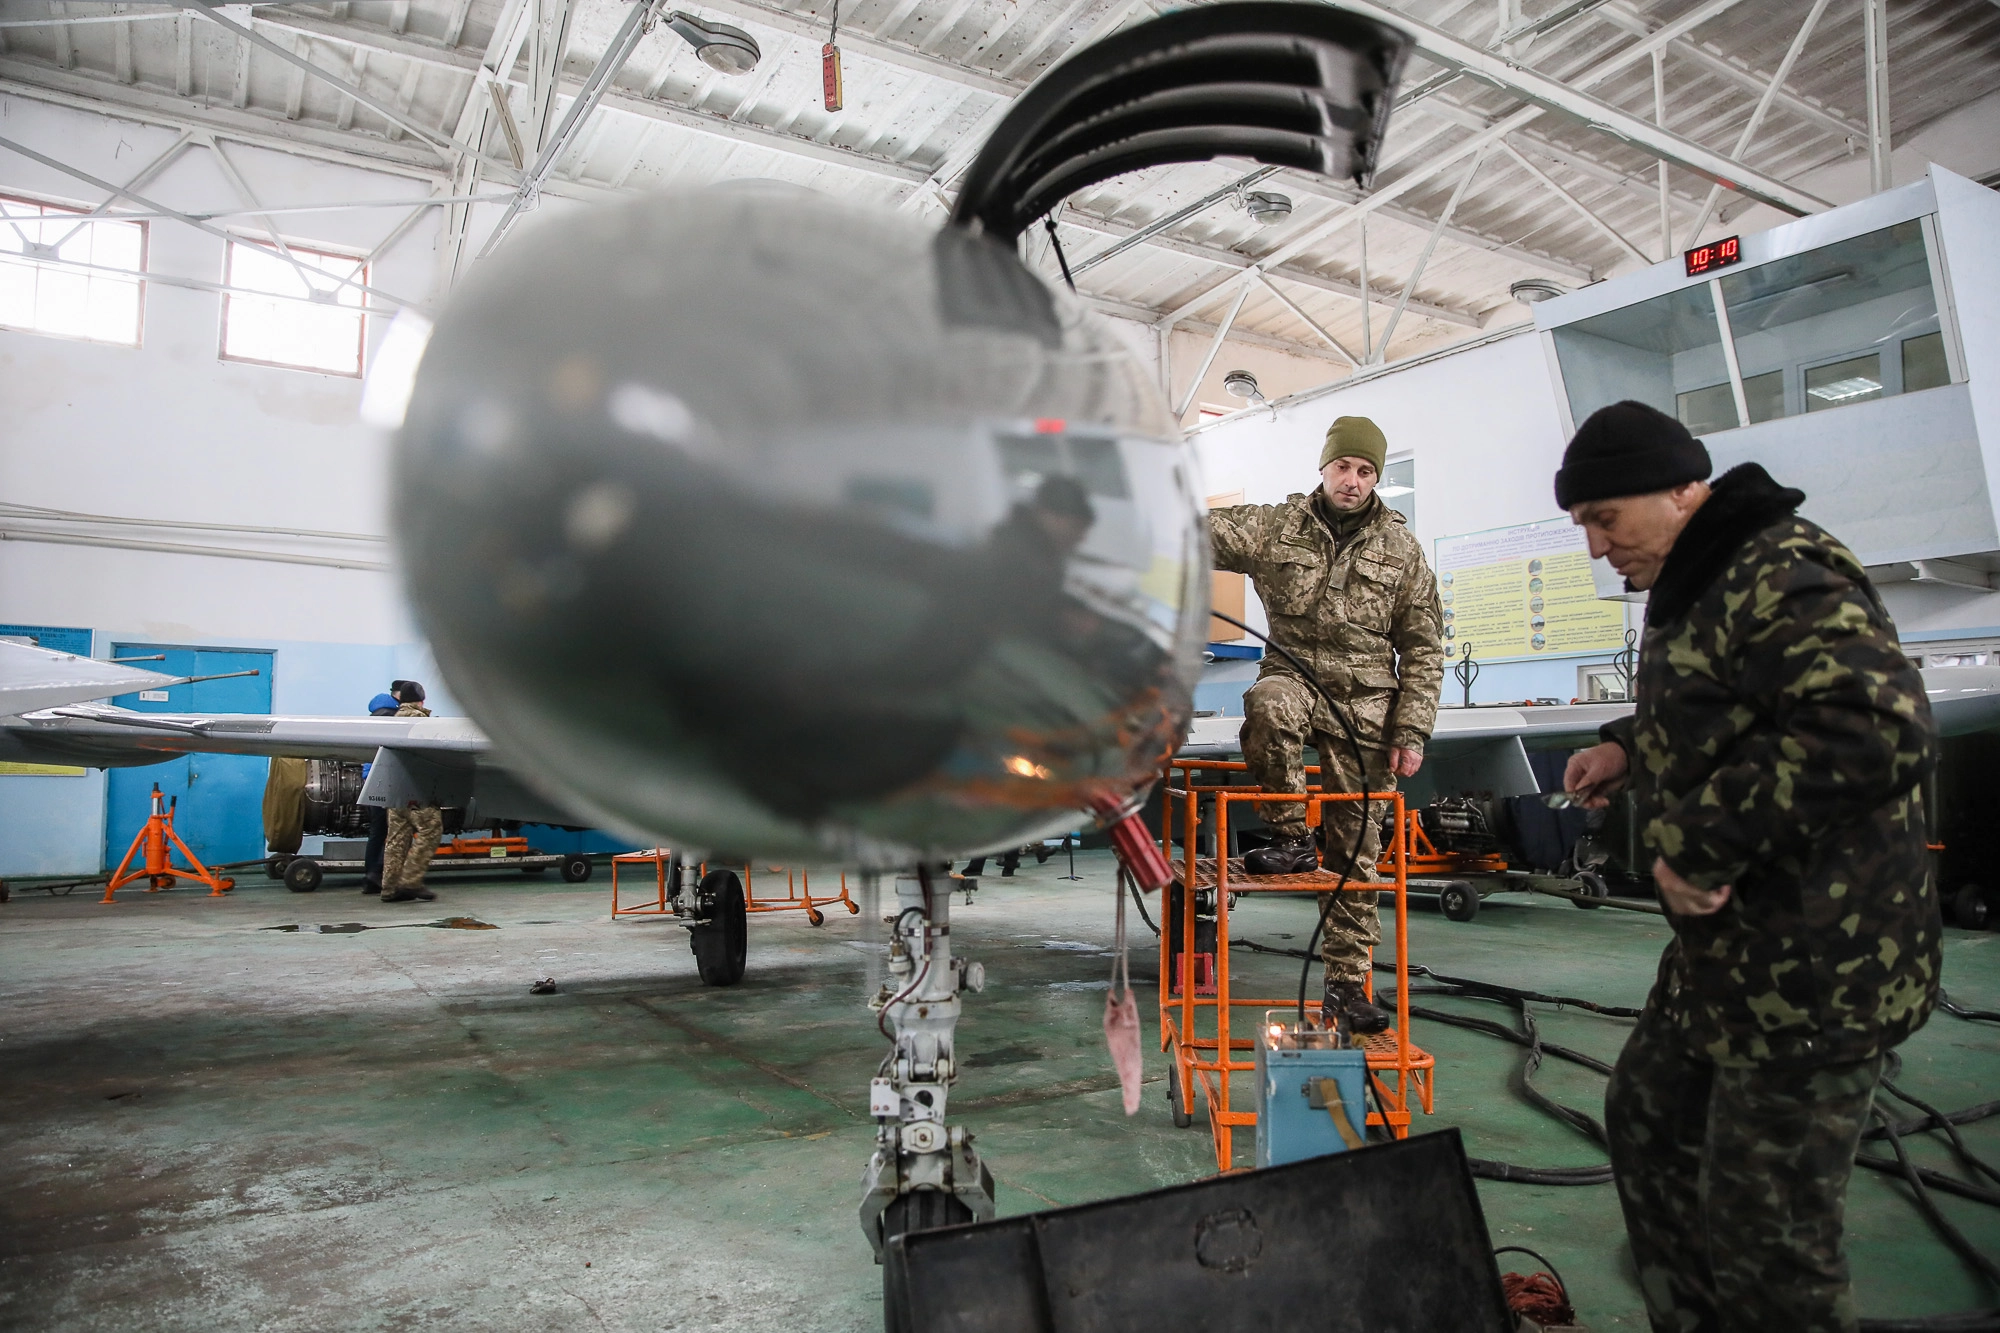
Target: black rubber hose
[(1950, 1129), (1360, 765), (1974, 1015), (1972, 1254), (1971, 1321)]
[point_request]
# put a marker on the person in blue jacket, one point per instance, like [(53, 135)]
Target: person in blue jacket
[(382, 705)]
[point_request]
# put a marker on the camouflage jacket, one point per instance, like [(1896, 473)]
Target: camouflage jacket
[(1779, 746), (1363, 616)]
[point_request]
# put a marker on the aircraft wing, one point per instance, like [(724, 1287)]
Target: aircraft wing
[(446, 760), (1486, 748), (34, 678)]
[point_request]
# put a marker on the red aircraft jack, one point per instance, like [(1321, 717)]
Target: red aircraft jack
[(159, 866)]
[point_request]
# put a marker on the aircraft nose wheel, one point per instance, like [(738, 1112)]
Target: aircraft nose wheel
[(919, 1210), (719, 941)]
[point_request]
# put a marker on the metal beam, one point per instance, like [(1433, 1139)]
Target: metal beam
[(1212, 254), (1582, 210), (855, 42), (1214, 346), (438, 138), (1875, 69), (670, 113), (1409, 288), (1769, 95), (1541, 90), (1172, 220), (1500, 129), (637, 21), (1631, 20), (79, 174), (1299, 313), (86, 92)]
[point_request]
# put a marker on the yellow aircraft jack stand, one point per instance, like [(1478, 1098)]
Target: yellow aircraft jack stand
[(159, 866)]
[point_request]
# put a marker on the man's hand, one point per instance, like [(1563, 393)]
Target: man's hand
[(1595, 775), (1404, 762), (1683, 898)]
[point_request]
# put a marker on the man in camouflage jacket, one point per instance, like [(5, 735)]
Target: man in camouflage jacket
[(1349, 594), (1776, 757)]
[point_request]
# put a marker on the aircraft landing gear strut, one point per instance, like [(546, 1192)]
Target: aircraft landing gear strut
[(923, 1174)]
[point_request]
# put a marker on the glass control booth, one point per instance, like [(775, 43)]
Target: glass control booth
[(1853, 353)]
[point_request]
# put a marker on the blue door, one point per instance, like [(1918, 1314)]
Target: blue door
[(220, 814)]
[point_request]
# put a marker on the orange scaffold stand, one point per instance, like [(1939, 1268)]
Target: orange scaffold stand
[(157, 865), (1196, 1010), (798, 889)]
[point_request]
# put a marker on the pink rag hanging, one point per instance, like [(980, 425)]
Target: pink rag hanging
[(1121, 1016)]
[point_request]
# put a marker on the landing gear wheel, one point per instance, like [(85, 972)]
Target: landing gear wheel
[(919, 1210), (274, 868), (815, 917), (576, 869), (1592, 883), (1182, 1117), (1459, 901), (303, 875), (718, 942), (1969, 908)]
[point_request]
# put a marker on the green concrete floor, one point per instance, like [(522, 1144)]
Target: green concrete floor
[(214, 1126)]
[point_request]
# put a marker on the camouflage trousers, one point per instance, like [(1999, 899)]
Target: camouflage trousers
[(413, 840), (1734, 1183), (1280, 715)]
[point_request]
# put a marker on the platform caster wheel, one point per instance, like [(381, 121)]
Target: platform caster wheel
[(1970, 909), (815, 917), (303, 875), (576, 869), (1592, 883), (274, 868), (1459, 901), (1182, 1117), (225, 884), (854, 909), (719, 941), (919, 1210)]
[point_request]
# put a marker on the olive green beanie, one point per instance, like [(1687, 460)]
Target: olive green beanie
[(1355, 437)]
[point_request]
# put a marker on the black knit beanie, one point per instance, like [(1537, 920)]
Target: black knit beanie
[(1628, 448)]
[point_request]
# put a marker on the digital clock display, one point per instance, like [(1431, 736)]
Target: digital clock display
[(1715, 255)]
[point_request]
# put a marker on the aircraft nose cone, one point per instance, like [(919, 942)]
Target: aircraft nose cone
[(763, 524)]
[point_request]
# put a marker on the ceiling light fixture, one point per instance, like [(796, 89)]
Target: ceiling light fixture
[(1266, 207), (1242, 384), (722, 48), (1530, 290)]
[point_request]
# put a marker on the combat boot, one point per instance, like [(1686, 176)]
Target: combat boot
[(1286, 856), (1346, 1006)]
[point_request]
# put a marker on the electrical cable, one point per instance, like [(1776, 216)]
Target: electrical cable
[(1522, 1249), (1943, 1122), (1360, 766), (1138, 899), (1980, 1015), (1056, 242), (1926, 1205)]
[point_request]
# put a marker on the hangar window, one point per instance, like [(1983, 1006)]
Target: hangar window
[(301, 316), (69, 275)]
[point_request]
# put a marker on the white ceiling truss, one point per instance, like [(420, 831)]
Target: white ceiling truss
[(1562, 139)]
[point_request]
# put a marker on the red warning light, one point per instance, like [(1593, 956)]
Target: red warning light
[(1714, 255), (1050, 425)]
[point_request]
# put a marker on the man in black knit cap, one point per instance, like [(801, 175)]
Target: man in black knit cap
[(1776, 759)]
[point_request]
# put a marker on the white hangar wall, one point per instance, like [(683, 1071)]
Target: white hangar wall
[(1483, 428), (168, 430)]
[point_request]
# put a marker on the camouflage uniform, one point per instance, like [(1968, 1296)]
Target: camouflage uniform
[(1778, 746), (1361, 611), (414, 833)]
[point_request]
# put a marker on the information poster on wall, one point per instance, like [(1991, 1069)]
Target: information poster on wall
[(1525, 591)]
